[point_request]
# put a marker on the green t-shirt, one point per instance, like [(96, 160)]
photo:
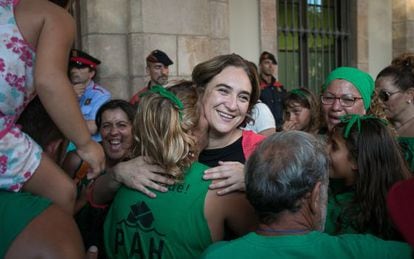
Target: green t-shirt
[(335, 207), (173, 225), (17, 210), (312, 245), (407, 145)]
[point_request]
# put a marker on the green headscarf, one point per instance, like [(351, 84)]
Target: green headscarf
[(362, 81)]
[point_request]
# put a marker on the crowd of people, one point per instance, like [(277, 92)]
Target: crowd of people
[(229, 163)]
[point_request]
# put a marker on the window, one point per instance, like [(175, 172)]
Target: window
[(314, 37)]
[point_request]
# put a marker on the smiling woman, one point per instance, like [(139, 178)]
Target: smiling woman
[(165, 126), (231, 89), (114, 121)]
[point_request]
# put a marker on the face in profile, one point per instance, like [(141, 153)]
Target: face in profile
[(344, 102), (392, 99), (117, 135), (226, 100), (341, 164), (158, 73)]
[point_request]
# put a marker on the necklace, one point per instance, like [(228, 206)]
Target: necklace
[(404, 123), (282, 231)]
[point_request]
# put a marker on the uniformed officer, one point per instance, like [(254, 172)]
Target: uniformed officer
[(273, 93), (158, 69), (91, 96)]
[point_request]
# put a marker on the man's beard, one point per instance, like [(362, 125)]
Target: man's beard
[(162, 80)]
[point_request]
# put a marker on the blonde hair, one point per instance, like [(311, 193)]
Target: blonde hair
[(163, 130)]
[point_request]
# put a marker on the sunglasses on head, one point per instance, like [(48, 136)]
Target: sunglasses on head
[(385, 95)]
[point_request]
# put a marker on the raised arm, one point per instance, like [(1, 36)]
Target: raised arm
[(53, 86)]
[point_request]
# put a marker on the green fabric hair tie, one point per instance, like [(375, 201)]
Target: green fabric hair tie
[(362, 81), (351, 119), (157, 89), (299, 92)]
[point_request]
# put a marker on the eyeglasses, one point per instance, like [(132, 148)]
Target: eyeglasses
[(385, 95), (344, 100)]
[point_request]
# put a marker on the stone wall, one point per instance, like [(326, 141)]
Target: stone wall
[(402, 26), (122, 33)]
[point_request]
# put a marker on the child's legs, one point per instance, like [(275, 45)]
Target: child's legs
[(50, 181), (52, 234)]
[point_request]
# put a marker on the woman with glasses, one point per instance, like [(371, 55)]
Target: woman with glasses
[(347, 90), (395, 86)]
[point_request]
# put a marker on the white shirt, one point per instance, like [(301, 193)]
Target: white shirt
[(262, 118)]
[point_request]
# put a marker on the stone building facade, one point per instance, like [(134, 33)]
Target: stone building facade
[(122, 32)]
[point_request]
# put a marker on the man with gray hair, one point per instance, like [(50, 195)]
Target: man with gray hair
[(286, 183)]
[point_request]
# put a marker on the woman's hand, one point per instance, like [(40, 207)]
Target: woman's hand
[(138, 173), (230, 176), (93, 154)]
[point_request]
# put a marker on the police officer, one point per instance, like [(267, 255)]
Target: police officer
[(158, 69), (273, 92), (91, 96)]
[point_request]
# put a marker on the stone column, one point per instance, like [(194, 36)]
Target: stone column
[(268, 26), (402, 26), (104, 30), (362, 35)]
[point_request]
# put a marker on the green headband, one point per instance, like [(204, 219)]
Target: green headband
[(299, 92), (157, 89), (362, 81), (351, 119)]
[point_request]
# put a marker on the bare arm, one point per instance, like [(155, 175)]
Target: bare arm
[(267, 132), (232, 210), (53, 86), (92, 126), (105, 188), (136, 173)]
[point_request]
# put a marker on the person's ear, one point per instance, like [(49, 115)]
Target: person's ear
[(354, 165), (316, 198), (410, 93), (93, 73)]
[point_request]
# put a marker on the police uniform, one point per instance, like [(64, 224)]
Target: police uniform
[(273, 94), (91, 100), (95, 95)]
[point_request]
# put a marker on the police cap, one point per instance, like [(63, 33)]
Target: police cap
[(80, 59), (158, 56), (267, 55)]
